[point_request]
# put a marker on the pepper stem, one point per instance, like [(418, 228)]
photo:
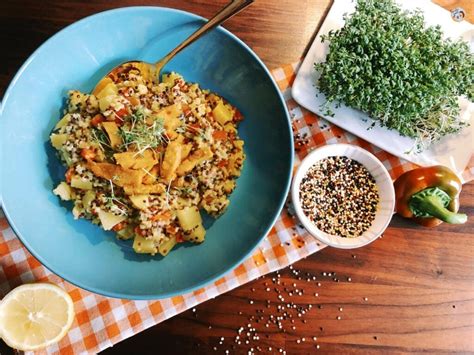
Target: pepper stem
[(433, 202)]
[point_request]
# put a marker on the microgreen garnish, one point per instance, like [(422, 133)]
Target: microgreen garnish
[(386, 63), (143, 134), (101, 138)]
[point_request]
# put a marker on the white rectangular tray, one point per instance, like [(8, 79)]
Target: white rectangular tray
[(453, 151)]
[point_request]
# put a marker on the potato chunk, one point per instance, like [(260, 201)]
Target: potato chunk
[(57, 140), (79, 183), (63, 121), (105, 88), (165, 247), (139, 201), (109, 220), (144, 246), (63, 190), (190, 220), (222, 113)]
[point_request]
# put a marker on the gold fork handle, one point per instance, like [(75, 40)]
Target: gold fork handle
[(227, 12)]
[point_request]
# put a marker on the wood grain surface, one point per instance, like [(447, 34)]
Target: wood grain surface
[(410, 291)]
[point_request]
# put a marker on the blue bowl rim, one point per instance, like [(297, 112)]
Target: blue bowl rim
[(210, 279)]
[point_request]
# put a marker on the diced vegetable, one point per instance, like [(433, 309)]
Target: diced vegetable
[(57, 140), (108, 90), (222, 113), (63, 121), (165, 247), (109, 220), (66, 156), (144, 246), (139, 201), (87, 199), (97, 119), (79, 183), (229, 186), (126, 233), (164, 216), (219, 135), (235, 162), (69, 174), (239, 144), (113, 132), (63, 190), (196, 235), (76, 211), (189, 218), (101, 85), (105, 102), (88, 154), (186, 150), (229, 127)]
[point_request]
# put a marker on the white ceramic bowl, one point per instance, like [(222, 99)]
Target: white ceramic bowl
[(385, 189)]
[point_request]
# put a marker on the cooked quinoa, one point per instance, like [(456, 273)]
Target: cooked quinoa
[(144, 158)]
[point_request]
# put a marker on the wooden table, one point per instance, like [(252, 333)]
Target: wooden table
[(412, 290)]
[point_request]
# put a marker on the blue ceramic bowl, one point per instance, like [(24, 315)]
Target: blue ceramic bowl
[(76, 58)]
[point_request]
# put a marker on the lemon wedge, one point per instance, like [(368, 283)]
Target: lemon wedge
[(33, 316)]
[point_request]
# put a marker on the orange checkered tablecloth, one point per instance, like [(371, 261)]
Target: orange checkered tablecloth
[(101, 322)]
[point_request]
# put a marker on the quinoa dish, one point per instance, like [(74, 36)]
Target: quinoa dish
[(143, 159)]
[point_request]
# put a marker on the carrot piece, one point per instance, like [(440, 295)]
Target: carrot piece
[(69, 174), (163, 216), (179, 238), (119, 226), (219, 135), (170, 229), (222, 163), (237, 116), (97, 119), (88, 154), (139, 231)]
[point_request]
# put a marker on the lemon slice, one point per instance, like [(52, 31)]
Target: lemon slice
[(33, 316)]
